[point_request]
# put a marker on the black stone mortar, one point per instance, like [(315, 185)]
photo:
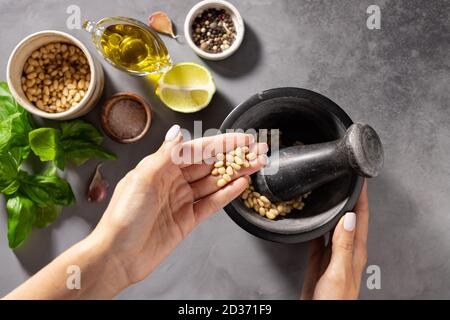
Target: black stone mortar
[(306, 116)]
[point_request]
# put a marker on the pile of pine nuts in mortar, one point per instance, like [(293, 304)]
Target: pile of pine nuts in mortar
[(266, 208), (56, 77), (228, 164)]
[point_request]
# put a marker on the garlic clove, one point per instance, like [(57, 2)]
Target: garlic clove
[(98, 188), (161, 22)]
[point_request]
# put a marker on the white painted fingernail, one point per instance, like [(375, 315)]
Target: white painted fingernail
[(173, 132), (264, 159), (264, 147), (350, 221)]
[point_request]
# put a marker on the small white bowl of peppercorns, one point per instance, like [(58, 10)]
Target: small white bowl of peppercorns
[(214, 29)]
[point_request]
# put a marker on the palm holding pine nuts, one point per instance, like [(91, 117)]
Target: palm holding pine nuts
[(229, 164), (159, 202), (56, 77)]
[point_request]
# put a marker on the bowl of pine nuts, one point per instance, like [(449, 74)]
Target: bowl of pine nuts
[(53, 75), (283, 117)]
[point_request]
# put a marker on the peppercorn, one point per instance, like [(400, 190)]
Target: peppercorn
[(213, 30)]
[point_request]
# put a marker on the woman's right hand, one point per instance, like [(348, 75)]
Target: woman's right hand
[(334, 271)]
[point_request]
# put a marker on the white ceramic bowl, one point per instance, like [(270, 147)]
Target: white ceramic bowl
[(235, 16), (23, 51)]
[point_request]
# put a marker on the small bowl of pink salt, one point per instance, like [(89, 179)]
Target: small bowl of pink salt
[(126, 117)]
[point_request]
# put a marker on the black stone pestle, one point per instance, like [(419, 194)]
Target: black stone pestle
[(304, 168)]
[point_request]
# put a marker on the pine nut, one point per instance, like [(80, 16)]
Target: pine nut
[(29, 69), (30, 83), (32, 75), (80, 85), (235, 166), (272, 214), (39, 104), (251, 156), (221, 182), (238, 160)]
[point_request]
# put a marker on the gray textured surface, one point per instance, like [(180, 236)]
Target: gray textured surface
[(396, 79)]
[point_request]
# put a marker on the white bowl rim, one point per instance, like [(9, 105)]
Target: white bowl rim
[(201, 6), (35, 110)]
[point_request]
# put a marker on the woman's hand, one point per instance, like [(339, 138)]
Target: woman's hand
[(334, 271), (154, 207), (157, 204)]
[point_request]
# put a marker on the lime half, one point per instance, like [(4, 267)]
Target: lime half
[(187, 87)]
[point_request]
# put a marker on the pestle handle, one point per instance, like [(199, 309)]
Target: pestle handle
[(364, 150), (304, 168)]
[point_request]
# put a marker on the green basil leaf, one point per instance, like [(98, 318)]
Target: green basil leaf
[(8, 104), (45, 143), (13, 132), (4, 90), (15, 122), (77, 142), (47, 190), (21, 216), (46, 216), (80, 130), (19, 154), (50, 171), (9, 174), (79, 151)]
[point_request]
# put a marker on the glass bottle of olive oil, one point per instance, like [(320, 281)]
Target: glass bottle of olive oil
[(129, 45)]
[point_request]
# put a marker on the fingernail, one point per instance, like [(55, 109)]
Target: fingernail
[(173, 132), (264, 159), (252, 138), (350, 221), (264, 147)]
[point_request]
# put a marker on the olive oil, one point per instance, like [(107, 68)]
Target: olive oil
[(129, 45), (134, 48)]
